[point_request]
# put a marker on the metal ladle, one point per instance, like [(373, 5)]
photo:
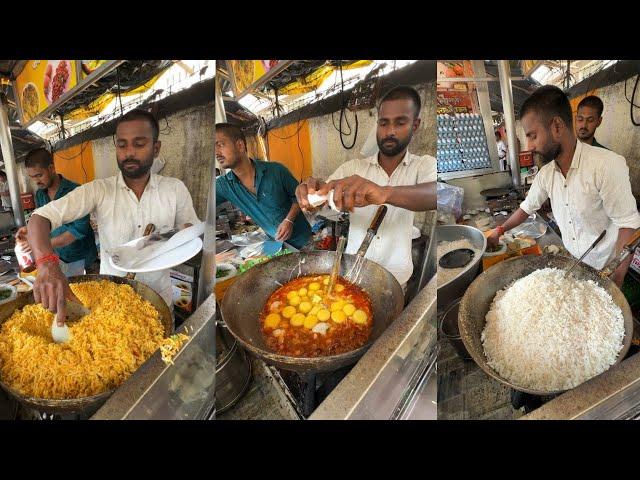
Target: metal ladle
[(457, 258), (342, 242), (75, 311)]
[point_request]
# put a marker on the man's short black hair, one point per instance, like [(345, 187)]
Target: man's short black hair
[(404, 92), (549, 101), (139, 114), (593, 102), (232, 131), (2, 173), (38, 158)]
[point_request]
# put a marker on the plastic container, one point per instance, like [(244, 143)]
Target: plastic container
[(231, 271), (24, 256), (12, 296), (503, 249)]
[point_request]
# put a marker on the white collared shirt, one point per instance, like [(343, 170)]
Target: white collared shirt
[(165, 202), (391, 247), (595, 196), (502, 150)]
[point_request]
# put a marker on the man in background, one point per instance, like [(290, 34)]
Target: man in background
[(73, 242), (588, 119), (502, 151), (265, 191)]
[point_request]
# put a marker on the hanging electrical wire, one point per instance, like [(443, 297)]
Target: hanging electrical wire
[(633, 96), (568, 76), (343, 107), (119, 95)]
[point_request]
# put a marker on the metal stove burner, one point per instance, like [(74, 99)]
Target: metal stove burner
[(309, 391), (509, 204), (25, 413)]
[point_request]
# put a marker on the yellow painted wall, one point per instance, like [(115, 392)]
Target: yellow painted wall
[(291, 146), (76, 163)]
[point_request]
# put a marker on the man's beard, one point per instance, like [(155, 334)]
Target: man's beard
[(551, 153), (397, 147), (142, 168), (229, 163), (584, 136)]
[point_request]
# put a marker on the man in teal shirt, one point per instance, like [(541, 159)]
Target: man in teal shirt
[(73, 242), (265, 191), (588, 119)]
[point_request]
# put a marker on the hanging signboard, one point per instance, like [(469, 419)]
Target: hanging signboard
[(89, 66), (247, 73), (41, 83)]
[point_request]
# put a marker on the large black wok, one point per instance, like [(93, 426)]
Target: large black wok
[(477, 300), (245, 299), (84, 405)]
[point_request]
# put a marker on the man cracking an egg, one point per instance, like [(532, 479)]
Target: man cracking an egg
[(402, 180)]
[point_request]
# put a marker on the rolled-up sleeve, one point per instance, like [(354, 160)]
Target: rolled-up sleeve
[(220, 191), (73, 206), (537, 195), (289, 183), (185, 212), (79, 229), (617, 198)]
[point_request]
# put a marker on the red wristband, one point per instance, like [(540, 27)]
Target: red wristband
[(51, 258), (500, 229)]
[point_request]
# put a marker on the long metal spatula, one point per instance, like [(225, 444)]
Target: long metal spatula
[(354, 273), (596, 242)]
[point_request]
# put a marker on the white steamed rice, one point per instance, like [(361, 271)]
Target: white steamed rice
[(547, 332)]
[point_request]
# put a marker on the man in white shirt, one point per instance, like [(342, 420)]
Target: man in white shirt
[(589, 187), (502, 151), (4, 190), (403, 181), (123, 206)]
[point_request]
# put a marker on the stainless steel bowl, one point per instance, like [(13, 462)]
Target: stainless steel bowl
[(455, 288)]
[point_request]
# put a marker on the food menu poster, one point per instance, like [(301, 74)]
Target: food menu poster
[(41, 83), (246, 72), (450, 102), (451, 96)]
